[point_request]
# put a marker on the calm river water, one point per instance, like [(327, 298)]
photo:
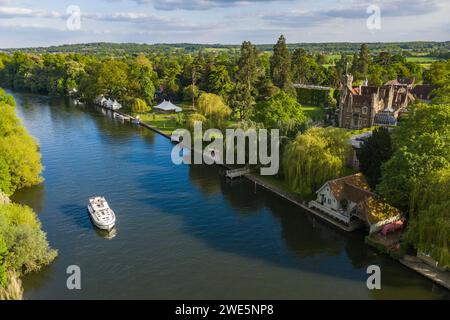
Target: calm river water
[(183, 232)]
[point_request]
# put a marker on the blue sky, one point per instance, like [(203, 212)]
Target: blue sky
[(42, 23)]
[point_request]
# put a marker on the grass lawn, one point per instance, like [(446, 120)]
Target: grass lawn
[(316, 113), (283, 185), (167, 123)]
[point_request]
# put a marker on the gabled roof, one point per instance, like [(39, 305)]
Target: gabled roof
[(376, 210), (355, 188), (362, 100), (342, 188)]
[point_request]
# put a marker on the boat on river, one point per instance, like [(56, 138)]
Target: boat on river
[(101, 214)]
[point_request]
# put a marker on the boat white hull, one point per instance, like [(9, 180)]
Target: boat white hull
[(99, 224)]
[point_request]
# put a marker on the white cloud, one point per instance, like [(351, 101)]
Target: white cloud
[(14, 12), (198, 4), (352, 10)]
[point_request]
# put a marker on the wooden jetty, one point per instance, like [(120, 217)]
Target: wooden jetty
[(237, 173)]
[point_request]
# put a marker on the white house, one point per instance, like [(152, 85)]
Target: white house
[(349, 198), (167, 106), (100, 100)]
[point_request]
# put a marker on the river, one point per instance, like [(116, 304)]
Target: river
[(183, 232)]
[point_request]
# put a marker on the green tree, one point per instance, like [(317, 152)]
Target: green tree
[(169, 80), (112, 79), (429, 217), (242, 99), (376, 150), (139, 106), (191, 93), (5, 178), (280, 66), (213, 108), (301, 71), (28, 249), (363, 61), (314, 157), (421, 146), (3, 251), (281, 111), (20, 160), (438, 74), (142, 79), (193, 118), (219, 81)]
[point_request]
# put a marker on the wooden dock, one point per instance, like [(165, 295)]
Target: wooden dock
[(438, 276), (237, 173), (352, 226)]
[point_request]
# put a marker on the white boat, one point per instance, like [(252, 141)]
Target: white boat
[(136, 120), (102, 215)]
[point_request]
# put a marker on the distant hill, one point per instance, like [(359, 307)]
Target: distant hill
[(327, 48)]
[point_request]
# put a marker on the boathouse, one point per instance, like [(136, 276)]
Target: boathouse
[(349, 198)]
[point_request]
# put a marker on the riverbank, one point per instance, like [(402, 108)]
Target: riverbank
[(438, 276), (258, 181), (23, 244), (390, 245)]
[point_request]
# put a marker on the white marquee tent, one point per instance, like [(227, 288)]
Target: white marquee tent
[(168, 106)]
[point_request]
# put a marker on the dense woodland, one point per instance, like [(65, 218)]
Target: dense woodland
[(252, 86)]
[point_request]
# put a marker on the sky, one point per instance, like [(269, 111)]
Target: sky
[(25, 23)]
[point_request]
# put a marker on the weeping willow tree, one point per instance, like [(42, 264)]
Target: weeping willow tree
[(429, 216), (213, 108), (314, 157)]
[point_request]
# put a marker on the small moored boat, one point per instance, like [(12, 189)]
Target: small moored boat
[(136, 120), (101, 214)]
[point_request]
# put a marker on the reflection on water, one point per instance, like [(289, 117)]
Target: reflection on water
[(185, 231), (108, 235)]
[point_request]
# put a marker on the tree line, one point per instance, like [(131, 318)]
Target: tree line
[(23, 245), (106, 48), (242, 78)]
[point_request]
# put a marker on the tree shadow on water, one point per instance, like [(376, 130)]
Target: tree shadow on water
[(79, 215)]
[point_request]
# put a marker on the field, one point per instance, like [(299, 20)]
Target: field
[(425, 62), (420, 59)]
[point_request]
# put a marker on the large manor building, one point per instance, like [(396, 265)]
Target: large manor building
[(366, 106)]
